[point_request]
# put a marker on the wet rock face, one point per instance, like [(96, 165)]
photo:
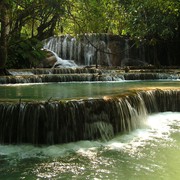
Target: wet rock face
[(112, 50), (90, 50), (133, 62), (48, 61), (117, 50), (96, 49)]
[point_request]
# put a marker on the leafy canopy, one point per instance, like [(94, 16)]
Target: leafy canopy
[(31, 21), (152, 19)]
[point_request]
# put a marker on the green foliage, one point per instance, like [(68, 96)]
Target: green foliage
[(34, 20), (91, 16), (152, 19), (30, 21), (25, 53)]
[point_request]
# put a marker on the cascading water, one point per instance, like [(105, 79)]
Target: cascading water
[(115, 129), (151, 152), (120, 136), (90, 50), (61, 121), (69, 74), (62, 62), (107, 50)]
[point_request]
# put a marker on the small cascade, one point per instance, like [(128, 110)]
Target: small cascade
[(89, 54), (108, 49), (73, 120), (62, 62), (80, 74), (84, 50), (65, 44), (150, 76), (45, 78), (40, 71)]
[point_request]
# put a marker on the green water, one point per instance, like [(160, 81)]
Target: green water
[(152, 152), (76, 90), (148, 153)]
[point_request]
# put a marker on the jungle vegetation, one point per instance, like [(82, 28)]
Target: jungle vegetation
[(25, 23)]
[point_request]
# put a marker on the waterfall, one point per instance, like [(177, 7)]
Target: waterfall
[(62, 62), (73, 120), (109, 50), (83, 50)]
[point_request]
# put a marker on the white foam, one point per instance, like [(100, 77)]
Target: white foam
[(159, 126)]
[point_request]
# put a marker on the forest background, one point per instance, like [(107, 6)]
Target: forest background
[(25, 23)]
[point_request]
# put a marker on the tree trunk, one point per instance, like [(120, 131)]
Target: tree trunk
[(4, 37)]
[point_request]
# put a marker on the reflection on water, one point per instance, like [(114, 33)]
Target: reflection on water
[(148, 153), (77, 90)]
